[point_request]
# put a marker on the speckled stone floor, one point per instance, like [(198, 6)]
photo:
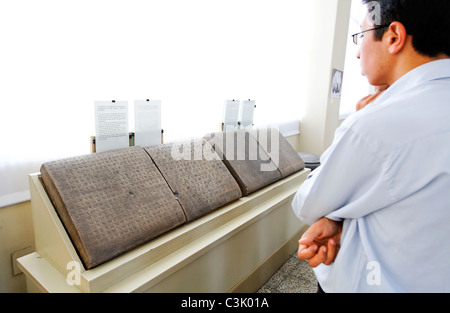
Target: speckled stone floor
[(294, 276)]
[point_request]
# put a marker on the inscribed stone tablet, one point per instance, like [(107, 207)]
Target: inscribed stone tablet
[(111, 202), (312, 161), (280, 151), (246, 160), (196, 175)]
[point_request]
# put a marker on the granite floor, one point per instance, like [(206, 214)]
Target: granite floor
[(294, 276)]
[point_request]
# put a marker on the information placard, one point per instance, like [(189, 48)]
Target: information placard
[(147, 122), (111, 125)]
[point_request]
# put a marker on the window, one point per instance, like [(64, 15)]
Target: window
[(355, 86), (58, 57)]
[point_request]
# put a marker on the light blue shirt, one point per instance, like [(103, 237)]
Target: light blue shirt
[(387, 175)]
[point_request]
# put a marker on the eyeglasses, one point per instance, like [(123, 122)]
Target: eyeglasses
[(357, 38)]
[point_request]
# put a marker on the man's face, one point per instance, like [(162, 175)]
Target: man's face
[(373, 56)]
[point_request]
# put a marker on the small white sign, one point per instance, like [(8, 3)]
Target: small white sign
[(147, 122), (111, 125)]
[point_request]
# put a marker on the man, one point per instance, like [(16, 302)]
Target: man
[(379, 204)]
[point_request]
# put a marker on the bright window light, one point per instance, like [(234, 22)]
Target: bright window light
[(58, 57)]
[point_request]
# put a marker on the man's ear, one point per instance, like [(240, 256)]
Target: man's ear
[(396, 37)]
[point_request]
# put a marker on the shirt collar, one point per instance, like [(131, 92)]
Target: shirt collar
[(434, 70)]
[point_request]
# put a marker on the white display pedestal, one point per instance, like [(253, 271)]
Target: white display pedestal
[(233, 249)]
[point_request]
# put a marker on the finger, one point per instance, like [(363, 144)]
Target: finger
[(319, 258), (305, 252), (311, 234), (306, 241), (331, 252)]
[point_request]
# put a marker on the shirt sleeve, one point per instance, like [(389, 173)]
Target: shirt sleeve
[(350, 183)]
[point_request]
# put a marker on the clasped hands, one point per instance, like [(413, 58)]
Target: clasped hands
[(320, 243)]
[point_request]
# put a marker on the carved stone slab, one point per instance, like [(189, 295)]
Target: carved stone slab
[(111, 202), (280, 151), (312, 161), (196, 175), (250, 165)]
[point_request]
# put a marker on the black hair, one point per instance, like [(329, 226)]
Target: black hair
[(428, 22)]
